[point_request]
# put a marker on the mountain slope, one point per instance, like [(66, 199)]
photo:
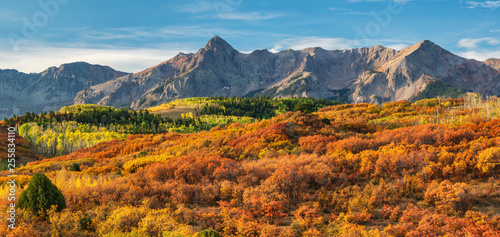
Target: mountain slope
[(51, 89), (415, 67)]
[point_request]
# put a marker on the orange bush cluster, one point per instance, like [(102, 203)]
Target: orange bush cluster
[(347, 170)]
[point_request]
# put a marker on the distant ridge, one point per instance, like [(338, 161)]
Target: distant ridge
[(51, 89)]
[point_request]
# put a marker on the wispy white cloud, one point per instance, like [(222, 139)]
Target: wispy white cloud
[(116, 34), (228, 10), (135, 37), (361, 13), (308, 42), (201, 6), (495, 31), (144, 35), (484, 4), (337, 9), (480, 55), (397, 46), (299, 43), (112, 46), (37, 59), (138, 33), (250, 16), (479, 49), (344, 11), (470, 43), (8, 15)]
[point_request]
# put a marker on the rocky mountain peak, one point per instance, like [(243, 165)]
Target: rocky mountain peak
[(427, 51), (75, 64), (83, 70), (218, 44), (69, 67), (429, 46), (426, 43), (314, 50), (422, 45)]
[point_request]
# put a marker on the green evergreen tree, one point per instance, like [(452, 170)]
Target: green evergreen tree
[(304, 107), (41, 194), (74, 167)]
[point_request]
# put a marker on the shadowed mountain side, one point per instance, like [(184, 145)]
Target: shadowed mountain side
[(51, 89)]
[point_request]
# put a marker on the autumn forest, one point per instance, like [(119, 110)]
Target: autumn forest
[(258, 167)]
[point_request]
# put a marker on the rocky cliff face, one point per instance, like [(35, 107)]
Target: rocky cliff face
[(50, 89), (493, 62)]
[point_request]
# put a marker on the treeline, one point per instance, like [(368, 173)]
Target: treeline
[(60, 138), (122, 120), (79, 126), (145, 122), (261, 107), (91, 114)]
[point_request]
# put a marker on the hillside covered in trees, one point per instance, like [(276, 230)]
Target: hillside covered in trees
[(427, 168), (80, 126)]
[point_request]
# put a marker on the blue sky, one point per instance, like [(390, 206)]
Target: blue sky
[(134, 35)]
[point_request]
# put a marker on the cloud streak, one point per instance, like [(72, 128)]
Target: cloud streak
[(300, 43), (480, 55), (227, 10), (474, 51), (313, 41), (485, 4), (470, 43), (201, 6), (140, 36), (128, 49), (144, 33), (38, 59), (343, 11), (8, 16), (250, 16)]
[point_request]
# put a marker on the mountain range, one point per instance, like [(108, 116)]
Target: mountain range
[(375, 75)]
